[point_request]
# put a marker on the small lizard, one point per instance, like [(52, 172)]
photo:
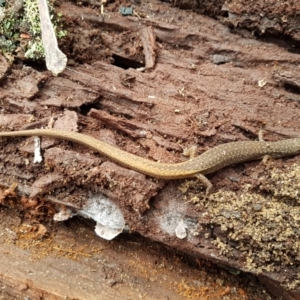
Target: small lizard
[(210, 161)]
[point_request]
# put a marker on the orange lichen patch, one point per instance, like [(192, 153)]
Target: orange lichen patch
[(207, 292), (74, 252), (40, 243), (201, 286), (147, 269), (225, 292), (8, 193), (37, 210), (29, 203), (242, 292), (191, 292), (27, 231)]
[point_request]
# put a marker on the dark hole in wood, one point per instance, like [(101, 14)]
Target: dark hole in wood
[(126, 63)]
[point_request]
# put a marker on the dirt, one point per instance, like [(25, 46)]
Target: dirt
[(155, 84)]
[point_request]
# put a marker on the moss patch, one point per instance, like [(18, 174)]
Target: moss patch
[(263, 229), (20, 31)]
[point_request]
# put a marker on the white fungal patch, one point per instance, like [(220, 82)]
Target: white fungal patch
[(109, 218), (180, 231), (174, 222), (63, 215)]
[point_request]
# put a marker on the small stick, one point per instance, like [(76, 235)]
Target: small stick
[(56, 60)]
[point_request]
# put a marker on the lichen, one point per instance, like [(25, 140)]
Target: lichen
[(20, 31), (263, 229)]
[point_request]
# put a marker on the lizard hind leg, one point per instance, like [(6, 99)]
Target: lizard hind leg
[(190, 152), (261, 139), (205, 182)]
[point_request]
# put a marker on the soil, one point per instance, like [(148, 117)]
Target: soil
[(156, 83)]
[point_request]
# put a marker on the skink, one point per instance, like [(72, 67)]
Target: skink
[(210, 161)]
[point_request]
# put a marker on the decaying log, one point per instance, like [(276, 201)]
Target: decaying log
[(203, 86)]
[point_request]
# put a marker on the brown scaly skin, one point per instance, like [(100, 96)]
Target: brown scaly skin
[(208, 162)]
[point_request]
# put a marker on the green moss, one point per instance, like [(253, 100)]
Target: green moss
[(20, 30), (263, 228)]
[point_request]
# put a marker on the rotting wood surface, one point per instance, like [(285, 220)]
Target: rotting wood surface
[(208, 86), (72, 262)]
